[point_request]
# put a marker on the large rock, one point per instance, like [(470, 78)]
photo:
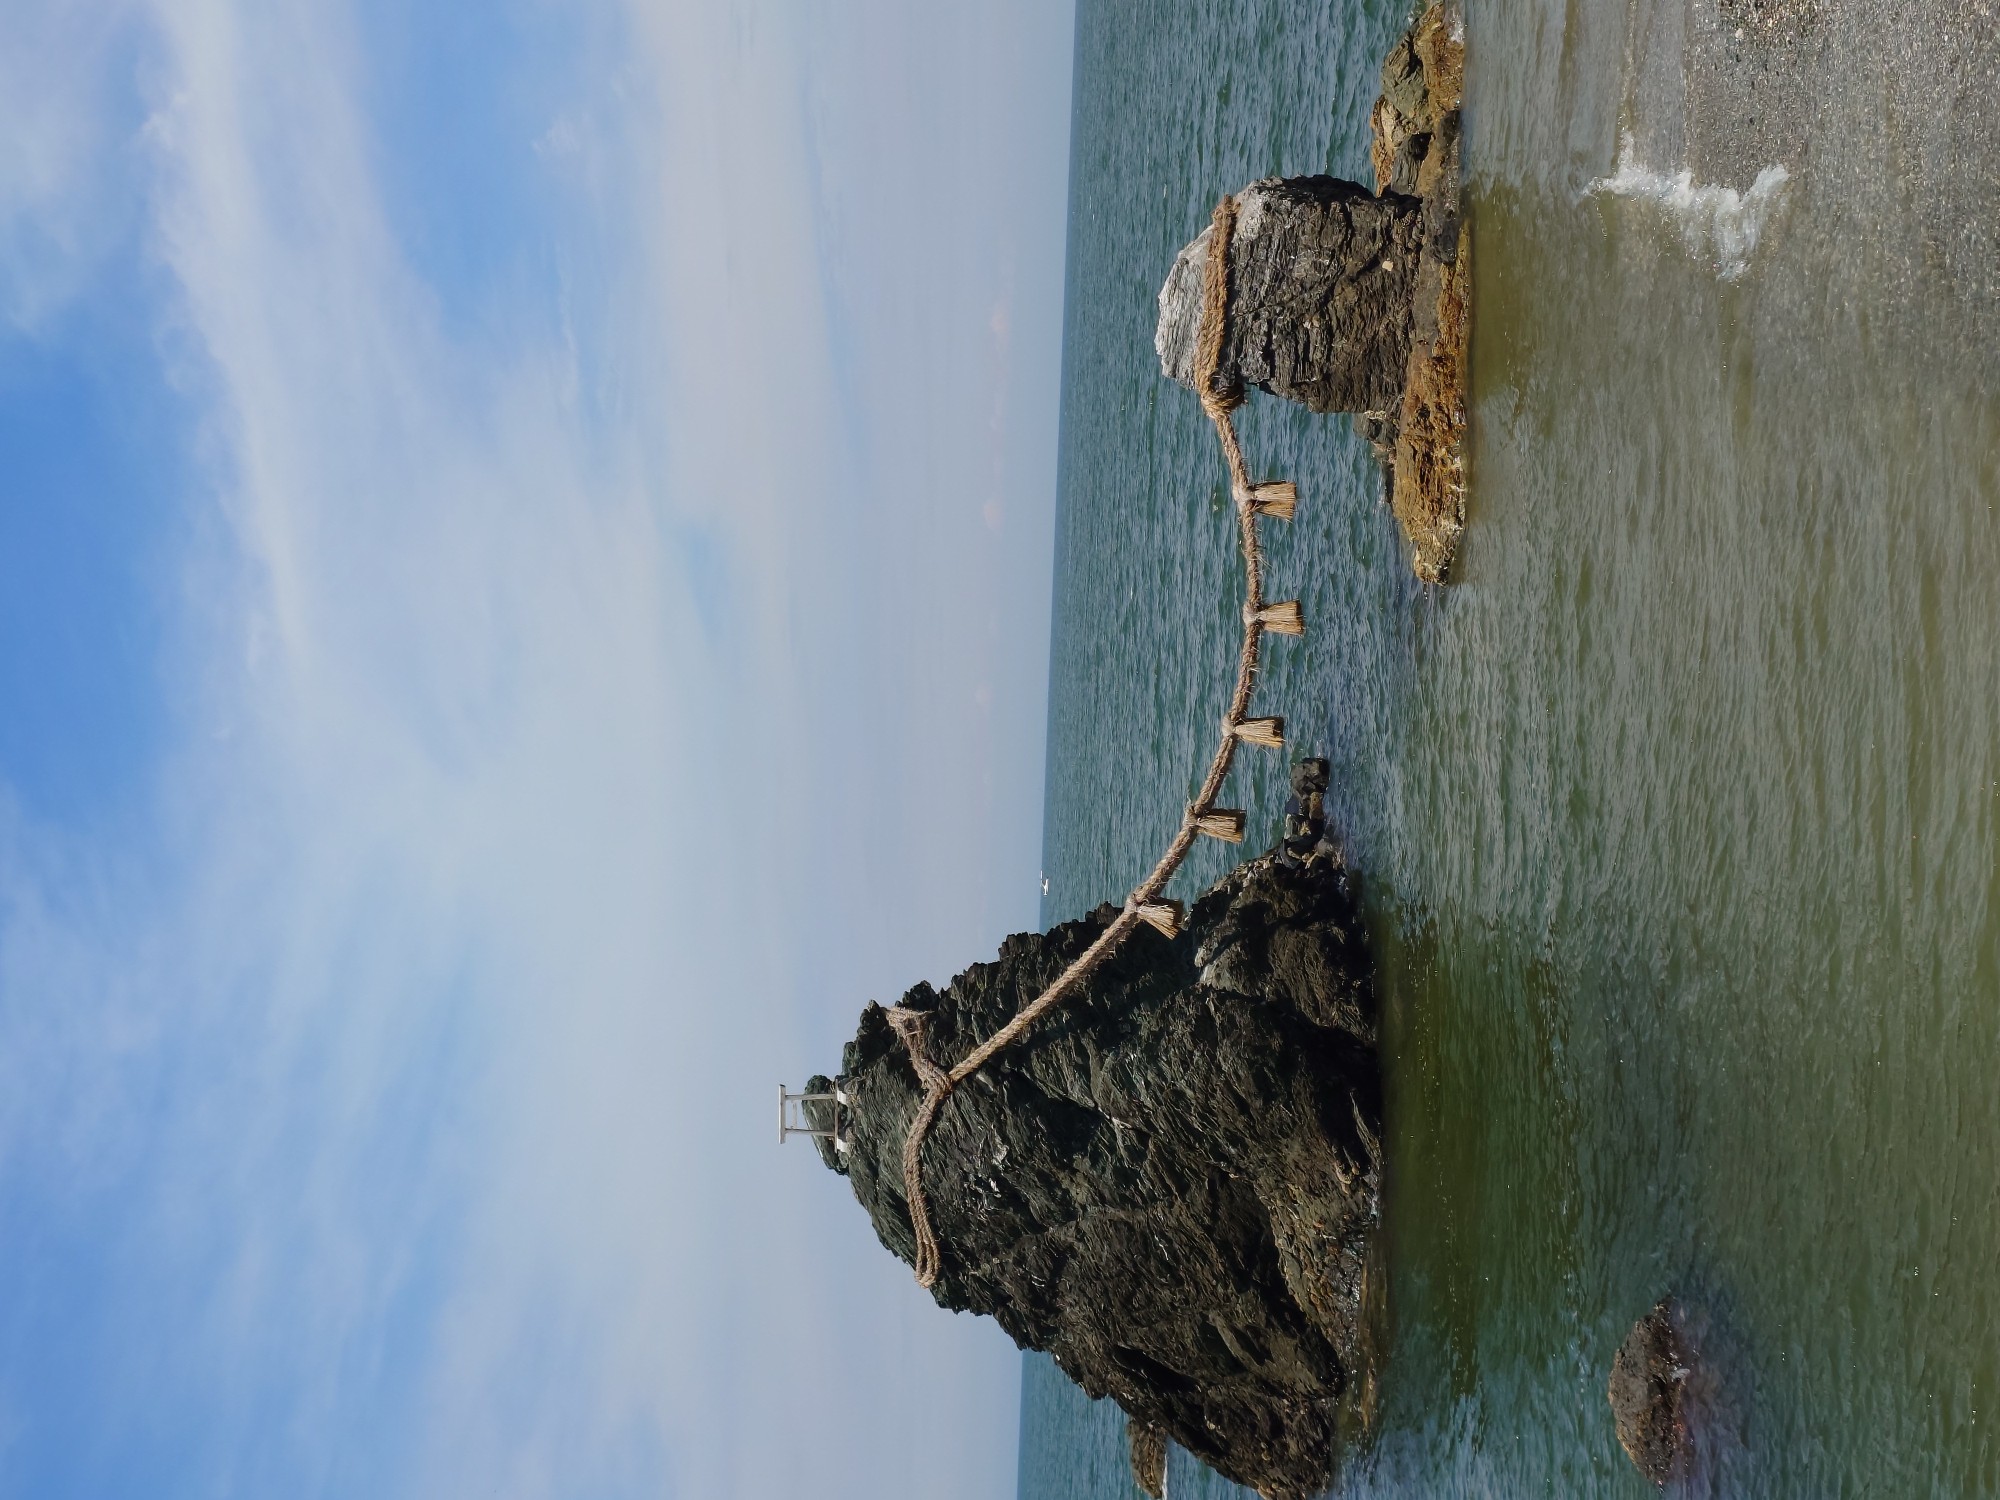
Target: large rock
[(1170, 1184), (1322, 276)]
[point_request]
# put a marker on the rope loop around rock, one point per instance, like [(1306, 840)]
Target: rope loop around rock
[(1218, 402)]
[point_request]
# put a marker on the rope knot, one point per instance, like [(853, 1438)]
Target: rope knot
[(910, 1026)]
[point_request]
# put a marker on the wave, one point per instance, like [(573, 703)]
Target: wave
[(1714, 222)]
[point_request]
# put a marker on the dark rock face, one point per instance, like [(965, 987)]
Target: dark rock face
[(1323, 274), (1647, 1376), (1170, 1184)]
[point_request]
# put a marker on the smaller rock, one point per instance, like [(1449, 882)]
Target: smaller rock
[(1311, 776), (1648, 1375), (1420, 438), (1350, 301), (1305, 813)]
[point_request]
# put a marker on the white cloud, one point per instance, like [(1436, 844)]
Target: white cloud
[(59, 205)]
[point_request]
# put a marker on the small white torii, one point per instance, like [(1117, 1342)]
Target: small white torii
[(793, 1119)]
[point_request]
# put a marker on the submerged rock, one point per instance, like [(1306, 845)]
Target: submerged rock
[(1170, 1184)]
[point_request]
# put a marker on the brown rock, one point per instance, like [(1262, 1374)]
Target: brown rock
[(1421, 437), (1438, 41), (1648, 1375), (1427, 488)]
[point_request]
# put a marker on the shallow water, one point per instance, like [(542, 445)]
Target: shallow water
[(1680, 810)]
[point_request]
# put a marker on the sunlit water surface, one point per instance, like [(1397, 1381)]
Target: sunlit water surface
[(1678, 809)]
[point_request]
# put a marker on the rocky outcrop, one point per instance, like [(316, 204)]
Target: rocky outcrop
[(1170, 1184), (1351, 300), (1421, 439)]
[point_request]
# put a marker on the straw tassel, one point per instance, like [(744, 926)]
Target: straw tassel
[(1270, 733), (1279, 499), (1281, 619), (1166, 916), (1225, 823)]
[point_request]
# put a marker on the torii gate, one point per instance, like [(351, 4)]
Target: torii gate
[(793, 1119)]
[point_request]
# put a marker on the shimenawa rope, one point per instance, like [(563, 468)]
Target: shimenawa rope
[(1202, 815)]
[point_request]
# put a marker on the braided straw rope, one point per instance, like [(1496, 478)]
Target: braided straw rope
[(909, 1025)]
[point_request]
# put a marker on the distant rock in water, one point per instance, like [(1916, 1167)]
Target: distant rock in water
[(1170, 1183), (1648, 1374), (1681, 1390), (1348, 299)]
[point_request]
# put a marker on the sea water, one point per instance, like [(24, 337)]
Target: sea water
[(1679, 811)]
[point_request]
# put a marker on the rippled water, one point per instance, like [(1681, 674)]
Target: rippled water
[(1680, 809)]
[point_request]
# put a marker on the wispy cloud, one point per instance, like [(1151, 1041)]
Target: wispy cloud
[(59, 212), (407, 1080)]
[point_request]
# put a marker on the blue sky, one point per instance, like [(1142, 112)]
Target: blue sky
[(525, 537)]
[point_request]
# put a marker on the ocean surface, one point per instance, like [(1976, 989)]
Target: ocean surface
[(1679, 811)]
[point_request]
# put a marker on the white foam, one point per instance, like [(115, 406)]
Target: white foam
[(1714, 222)]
